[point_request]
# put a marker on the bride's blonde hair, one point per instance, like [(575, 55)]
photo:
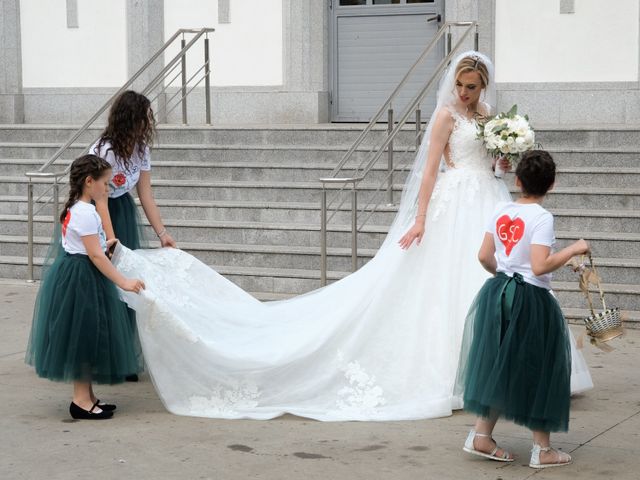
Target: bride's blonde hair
[(473, 64)]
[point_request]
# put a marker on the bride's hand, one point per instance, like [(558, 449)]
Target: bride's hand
[(504, 164), (415, 233)]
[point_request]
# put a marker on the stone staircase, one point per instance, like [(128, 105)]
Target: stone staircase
[(246, 201)]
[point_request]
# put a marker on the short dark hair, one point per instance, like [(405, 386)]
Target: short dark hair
[(537, 172)]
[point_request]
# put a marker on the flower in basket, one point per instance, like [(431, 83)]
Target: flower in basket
[(507, 135)]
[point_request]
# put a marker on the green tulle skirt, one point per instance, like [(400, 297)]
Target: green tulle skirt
[(517, 359), (126, 222), (128, 229), (80, 329)]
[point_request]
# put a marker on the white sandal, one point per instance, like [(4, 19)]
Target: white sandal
[(468, 447), (563, 458)]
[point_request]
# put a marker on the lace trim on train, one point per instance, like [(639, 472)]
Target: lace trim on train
[(362, 395), (226, 401)]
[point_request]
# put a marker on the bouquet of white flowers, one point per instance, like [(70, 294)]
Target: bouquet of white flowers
[(507, 135)]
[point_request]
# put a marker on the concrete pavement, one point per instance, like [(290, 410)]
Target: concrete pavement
[(40, 441)]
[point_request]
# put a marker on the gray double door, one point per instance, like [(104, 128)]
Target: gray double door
[(374, 43)]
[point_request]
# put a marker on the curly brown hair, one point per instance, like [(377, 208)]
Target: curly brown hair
[(81, 168), (131, 125)]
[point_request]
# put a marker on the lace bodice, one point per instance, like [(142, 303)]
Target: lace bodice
[(465, 149)]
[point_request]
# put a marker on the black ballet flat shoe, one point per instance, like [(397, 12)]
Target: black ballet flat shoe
[(109, 407), (131, 378), (80, 413)]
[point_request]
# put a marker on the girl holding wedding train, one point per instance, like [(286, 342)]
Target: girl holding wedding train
[(382, 343)]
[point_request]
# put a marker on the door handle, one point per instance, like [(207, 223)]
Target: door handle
[(437, 18)]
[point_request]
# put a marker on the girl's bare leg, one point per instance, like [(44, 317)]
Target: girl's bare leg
[(485, 442), (82, 396), (551, 455)]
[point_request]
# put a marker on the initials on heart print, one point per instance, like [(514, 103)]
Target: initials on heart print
[(509, 231)]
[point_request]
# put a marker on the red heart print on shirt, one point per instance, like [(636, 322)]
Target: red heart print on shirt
[(509, 232), (67, 219)]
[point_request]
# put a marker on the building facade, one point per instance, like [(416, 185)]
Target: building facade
[(315, 61)]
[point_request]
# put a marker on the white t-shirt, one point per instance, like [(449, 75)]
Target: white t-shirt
[(81, 220), (515, 227), (122, 180)]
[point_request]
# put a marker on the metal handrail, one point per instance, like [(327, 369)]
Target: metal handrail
[(363, 169), (178, 60), (446, 27)]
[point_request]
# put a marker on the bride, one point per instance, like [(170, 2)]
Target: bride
[(380, 344)]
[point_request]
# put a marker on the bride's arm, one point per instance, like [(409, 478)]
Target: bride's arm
[(440, 133)]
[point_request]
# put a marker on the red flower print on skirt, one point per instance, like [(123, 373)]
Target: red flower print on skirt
[(119, 179)]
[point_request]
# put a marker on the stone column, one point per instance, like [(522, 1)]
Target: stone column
[(145, 36), (11, 97), (306, 51)]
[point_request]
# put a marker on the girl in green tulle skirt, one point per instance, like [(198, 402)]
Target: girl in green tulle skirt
[(125, 143), (516, 363), (80, 331)]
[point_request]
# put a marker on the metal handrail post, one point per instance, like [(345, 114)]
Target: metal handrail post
[(476, 39), (323, 236), (449, 38), (183, 62), (30, 278), (354, 228), (390, 158), (418, 129), (56, 198), (207, 82)]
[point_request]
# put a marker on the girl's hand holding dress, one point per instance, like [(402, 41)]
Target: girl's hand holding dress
[(167, 240), (132, 285)]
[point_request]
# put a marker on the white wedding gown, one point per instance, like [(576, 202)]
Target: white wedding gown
[(380, 344)]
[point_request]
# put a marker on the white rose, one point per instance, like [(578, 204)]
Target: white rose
[(529, 138)]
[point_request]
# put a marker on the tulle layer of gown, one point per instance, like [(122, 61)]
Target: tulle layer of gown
[(381, 344)]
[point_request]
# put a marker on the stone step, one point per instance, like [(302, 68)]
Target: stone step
[(611, 270), (230, 171), (309, 213), (269, 256), (560, 197), (306, 171), (609, 136), (630, 318), (549, 136), (618, 270), (343, 134), (624, 296), (330, 153), (605, 244)]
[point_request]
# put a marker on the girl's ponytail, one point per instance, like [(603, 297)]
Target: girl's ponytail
[(81, 168)]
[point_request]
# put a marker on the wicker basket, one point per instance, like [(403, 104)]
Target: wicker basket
[(607, 324)]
